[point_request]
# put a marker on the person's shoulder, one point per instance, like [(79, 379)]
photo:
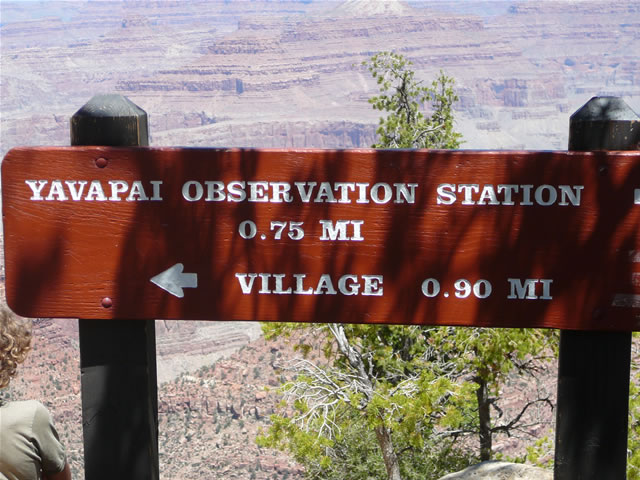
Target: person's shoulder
[(28, 407), (26, 404)]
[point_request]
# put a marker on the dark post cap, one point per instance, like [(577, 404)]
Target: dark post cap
[(600, 109), (109, 105), (604, 123), (110, 120)]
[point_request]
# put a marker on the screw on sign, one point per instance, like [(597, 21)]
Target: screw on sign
[(507, 239)]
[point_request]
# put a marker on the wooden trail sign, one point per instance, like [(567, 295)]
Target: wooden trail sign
[(502, 239)]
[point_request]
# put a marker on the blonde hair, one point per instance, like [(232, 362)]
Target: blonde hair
[(15, 343)]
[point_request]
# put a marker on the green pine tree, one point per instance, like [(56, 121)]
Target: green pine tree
[(403, 99)]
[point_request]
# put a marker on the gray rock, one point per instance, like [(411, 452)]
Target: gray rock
[(494, 470)]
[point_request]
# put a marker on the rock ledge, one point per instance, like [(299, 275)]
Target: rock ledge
[(494, 470)]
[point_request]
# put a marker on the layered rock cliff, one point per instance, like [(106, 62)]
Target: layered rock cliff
[(210, 69)]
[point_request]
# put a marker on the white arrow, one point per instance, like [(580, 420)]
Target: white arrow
[(173, 280)]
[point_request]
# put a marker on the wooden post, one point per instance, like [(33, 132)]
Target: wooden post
[(594, 367), (117, 357)]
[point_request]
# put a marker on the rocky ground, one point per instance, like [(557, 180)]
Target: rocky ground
[(501, 471), (208, 418)]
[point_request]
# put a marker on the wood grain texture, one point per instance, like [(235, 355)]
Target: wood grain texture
[(64, 257)]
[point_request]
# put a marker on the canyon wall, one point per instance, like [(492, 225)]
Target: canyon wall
[(289, 74)]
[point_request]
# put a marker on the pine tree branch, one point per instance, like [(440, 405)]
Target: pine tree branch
[(506, 428)]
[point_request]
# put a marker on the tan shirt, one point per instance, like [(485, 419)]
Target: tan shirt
[(29, 443)]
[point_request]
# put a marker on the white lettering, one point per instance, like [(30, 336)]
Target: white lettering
[(351, 289), (362, 193), (186, 191), (526, 194), (76, 194), (526, 289), (338, 231), (257, 191), (137, 190), (95, 192), (300, 285), (56, 191), (522, 289), (488, 193), (570, 193), (349, 284), (278, 289), (546, 289), (305, 194), (375, 193), (345, 188), (236, 192), (356, 230), (215, 191), (553, 195), (325, 194), (334, 232), (325, 284), (265, 282), (508, 190), (446, 194), (507, 194), (155, 184), (405, 192), (117, 187), (36, 187), (284, 192), (468, 189), (280, 192), (246, 281), (76, 190), (372, 285)]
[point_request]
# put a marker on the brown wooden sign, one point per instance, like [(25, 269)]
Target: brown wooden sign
[(502, 239)]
